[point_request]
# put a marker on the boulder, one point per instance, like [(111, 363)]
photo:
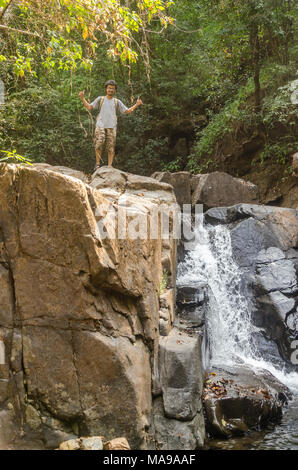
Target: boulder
[(91, 443), (64, 170), (173, 434), (178, 421), (211, 189), (239, 399), (79, 306), (219, 189), (181, 375), (181, 182), (72, 444), (191, 304)]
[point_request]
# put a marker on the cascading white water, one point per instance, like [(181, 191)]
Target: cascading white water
[(229, 328)]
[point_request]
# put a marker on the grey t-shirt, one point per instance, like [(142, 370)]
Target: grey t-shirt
[(107, 117)]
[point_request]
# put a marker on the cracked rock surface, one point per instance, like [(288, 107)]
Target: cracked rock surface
[(79, 313)]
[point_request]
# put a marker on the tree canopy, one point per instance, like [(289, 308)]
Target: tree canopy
[(54, 30), (221, 78)]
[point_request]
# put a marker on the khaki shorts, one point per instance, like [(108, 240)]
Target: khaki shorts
[(101, 135)]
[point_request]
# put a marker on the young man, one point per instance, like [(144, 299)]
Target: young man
[(106, 123)]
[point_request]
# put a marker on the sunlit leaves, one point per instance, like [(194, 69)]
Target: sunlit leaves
[(93, 20), (12, 155)]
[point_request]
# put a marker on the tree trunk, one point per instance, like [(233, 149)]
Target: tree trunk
[(256, 66)]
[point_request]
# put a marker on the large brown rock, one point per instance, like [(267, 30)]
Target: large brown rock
[(79, 311), (221, 189), (215, 189), (64, 170), (180, 181)]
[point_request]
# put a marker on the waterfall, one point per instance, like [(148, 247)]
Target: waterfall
[(229, 330)]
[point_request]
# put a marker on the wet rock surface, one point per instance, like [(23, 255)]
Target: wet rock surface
[(191, 302), (240, 399), (178, 413)]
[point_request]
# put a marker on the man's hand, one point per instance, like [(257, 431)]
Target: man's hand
[(138, 103), (85, 103)]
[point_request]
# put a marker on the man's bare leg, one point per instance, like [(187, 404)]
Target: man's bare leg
[(110, 158), (111, 143), (99, 139), (98, 156)]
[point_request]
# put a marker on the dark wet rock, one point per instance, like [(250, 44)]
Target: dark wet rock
[(239, 399), (248, 238), (277, 276), (191, 302), (277, 302), (282, 221), (181, 374), (178, 421), (292, 321), (172, 434)]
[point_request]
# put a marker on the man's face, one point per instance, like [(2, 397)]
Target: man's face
[(111, 90)]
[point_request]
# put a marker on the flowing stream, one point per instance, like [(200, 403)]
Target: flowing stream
[(230, 332)]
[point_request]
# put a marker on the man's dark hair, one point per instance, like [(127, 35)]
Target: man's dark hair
[(111, 82)]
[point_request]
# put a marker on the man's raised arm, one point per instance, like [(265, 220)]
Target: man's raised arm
[(85, 102), (135, 106)]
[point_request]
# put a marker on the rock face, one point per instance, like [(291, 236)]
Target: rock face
[(178, 413), (264, 241), (79, 311), (64, 170), (215, 189), (237, 400), (191, 304)]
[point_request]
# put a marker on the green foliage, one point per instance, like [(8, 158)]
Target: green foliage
[(66, 33), (163, 282), (278, 151), (200, 67), (15, 157), (278, 108), (219, 125), (173, 166)]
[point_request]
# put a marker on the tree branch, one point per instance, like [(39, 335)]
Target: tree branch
[(2, 26), (4, 9)]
